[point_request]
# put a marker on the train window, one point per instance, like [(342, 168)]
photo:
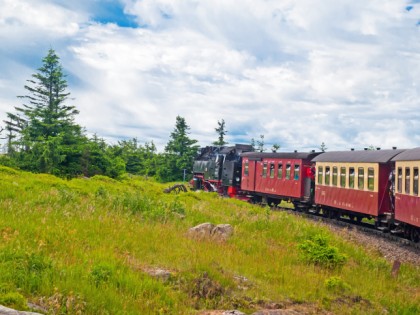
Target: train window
[(280, 171), (271, 170), (320, 174), (288, 167), (361, 178), (399, 182), (334, 175), (407, 180), (296, 173), (246, 171), (327, 175), (351, 177), (416, 181), (371, 178), (342, 177), (264, 172)]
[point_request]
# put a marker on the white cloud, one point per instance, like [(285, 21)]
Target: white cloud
[(30, 20), (300, 73)]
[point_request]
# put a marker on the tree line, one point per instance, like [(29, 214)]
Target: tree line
[(43, 137)]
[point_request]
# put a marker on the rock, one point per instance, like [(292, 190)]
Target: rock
[(201, 231), (234, 312), (8, 311), (158, 273), (222, 231), (278, 312), (219, 232)]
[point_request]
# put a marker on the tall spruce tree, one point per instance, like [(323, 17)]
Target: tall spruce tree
[(43, 128), (179, 153), (221, 131)]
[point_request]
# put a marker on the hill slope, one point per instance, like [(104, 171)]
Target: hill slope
[(99, 246)]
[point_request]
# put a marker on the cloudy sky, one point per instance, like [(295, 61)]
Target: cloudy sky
[(300, 72)]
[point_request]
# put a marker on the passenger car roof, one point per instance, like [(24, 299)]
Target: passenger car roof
[(365, 156), (408, 155), (280, 155)]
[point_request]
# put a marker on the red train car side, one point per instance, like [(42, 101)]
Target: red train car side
[(407, 200), (272, 177), (355, 183)]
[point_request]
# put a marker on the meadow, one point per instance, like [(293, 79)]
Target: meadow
[(85, 246)]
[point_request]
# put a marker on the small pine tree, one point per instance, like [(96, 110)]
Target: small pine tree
[(221, 132), (260, 144), (275, 147), (179, 153), (253, 145)]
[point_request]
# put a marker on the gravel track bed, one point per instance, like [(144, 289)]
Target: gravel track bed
[(390, 250)]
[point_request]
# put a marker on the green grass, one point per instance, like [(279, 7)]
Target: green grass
[(82, 247)]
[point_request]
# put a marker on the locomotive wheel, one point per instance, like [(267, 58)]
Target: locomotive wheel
[(414, 235)]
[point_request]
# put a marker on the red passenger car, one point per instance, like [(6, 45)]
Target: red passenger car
[(272, 177), (407, 200), (355, 183)]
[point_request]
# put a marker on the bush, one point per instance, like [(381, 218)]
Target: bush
[(336, 284), (13, 300), (101, 273), (317, 251)]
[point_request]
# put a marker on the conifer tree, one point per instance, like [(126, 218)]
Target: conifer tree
[(43, 128), (221, 132), (179, 153)]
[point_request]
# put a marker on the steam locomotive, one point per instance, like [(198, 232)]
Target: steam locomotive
[(378, 185)]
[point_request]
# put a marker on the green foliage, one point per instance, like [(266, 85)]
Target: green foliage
[(42, 133), (316, 250), (179, 154), (87, 246), (13, 300), (336, 284), (101, 273), (148, 207), (43, 137), (275, 147), (221, 131), (27, 271)]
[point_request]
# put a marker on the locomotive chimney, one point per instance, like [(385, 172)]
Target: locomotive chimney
[(365, 149), (313, 151), (352, 149), (394, 148), (295, 151)]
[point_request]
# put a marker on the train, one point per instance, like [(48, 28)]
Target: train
[(377, 186)]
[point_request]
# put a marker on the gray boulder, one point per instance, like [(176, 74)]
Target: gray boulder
[(201, 231), (8, 311), (220, 232)]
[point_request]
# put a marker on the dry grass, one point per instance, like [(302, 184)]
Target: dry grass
[(86, 246)]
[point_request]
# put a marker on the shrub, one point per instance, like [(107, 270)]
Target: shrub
[(13, 300), (101, 273), (316, 250), (27, 271), (101, 192), (336, 284)]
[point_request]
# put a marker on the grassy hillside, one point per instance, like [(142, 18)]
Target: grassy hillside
[(86, 246)]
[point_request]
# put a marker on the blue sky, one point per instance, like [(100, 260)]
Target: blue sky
[(299, 72)]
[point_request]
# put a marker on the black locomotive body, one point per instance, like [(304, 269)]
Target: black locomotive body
[(218, 168)]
